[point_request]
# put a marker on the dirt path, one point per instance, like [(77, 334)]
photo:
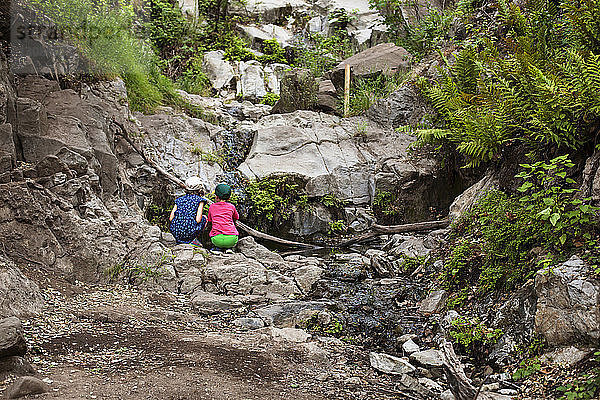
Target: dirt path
[(119, 343)]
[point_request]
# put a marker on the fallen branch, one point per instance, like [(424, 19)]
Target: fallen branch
[(392, 229), (180, 183)]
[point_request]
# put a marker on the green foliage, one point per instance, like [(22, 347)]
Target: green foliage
[(421, 36), (527, 368), (317, 324), (211, 157), (337, 227), (384, 202), (270, 99), (585, 387), (273, 52), (139, 271), (496, 239), (538, 84), (472, 335), (548, 195), (159, 215), (365, 91), (322, 53), (331, 200), (236, 49), (273, 199)]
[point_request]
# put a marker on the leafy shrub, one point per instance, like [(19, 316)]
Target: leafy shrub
[(586, 386), (270, 99), (273, 199), (494, 249), (337, 227), (472, 335), (273, 52), (548, 195), (527, 368), (237, 50)]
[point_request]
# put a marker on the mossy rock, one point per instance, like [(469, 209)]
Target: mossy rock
[(299, 90)]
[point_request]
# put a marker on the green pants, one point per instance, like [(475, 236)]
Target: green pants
[(224, 241)]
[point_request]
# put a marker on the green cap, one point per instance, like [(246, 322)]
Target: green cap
[(223, 191)]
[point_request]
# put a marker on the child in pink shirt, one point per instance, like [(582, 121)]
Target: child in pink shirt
[(223, 215)]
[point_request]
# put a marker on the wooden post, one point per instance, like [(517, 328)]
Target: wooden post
[(347, 90)]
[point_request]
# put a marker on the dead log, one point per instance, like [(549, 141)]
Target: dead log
[(180, 183), (378, 230)]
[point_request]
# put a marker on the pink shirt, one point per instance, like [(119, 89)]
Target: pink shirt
[(222, 215)]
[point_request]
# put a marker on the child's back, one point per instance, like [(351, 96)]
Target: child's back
[(223, 215)]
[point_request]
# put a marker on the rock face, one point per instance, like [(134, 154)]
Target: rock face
[(19, 296), (568, 306), (469, 197), (219, 71), (326, 152)]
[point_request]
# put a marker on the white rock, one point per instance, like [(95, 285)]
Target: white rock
[(290, 334), (389, 364), (219, 71), (431, 385), (410, 347), (447, 395), (428, 358)]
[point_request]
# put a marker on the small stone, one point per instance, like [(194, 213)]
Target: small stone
[(249, 323), (428, 358), (407, 337), (389, 364), (434, 303), (168, 238), (154, 232), (431, 385), (508, 392), (410, 347), (25, 386), (447, 395), (354, 380), (290, 334)]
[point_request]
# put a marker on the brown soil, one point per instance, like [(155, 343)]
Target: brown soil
[(118, 343)]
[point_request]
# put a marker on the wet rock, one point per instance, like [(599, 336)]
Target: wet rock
[(298, 91), (289, 314), (26, 386), (389, 364), (434, 303), (19, 296), (248, 323), (429, 358), (310, 220), (567, 356), (385, 58), (209, 303), (410, 347), (568, 304), (12, 342), (8, 155), (219, 71), (327, 99)]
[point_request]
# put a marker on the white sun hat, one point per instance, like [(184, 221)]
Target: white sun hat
[(193, 183)]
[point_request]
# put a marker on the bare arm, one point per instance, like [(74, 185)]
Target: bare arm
[(173, 213), (199, 213)]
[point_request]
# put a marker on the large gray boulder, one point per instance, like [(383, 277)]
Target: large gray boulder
[(403, 107), (269, 11), (19, 296), (26, 386), (385, 58), (252, 80), (568, 305)]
